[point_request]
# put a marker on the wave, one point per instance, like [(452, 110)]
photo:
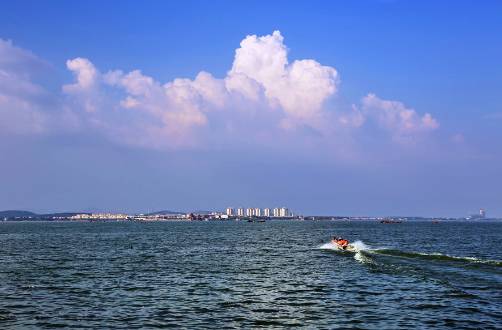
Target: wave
[(435, 256)]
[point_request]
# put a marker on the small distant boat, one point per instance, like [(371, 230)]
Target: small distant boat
[(390, 221), (256, 220)]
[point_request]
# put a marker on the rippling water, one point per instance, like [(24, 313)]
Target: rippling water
[(239, 274)]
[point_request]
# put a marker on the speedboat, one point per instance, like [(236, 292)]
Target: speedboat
[(348, 247)]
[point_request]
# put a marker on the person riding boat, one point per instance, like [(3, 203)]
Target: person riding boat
[(342, 242)]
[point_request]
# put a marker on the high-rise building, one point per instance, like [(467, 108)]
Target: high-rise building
[(230, 211), (482, 213), (257, 212), (266, 212), (249, 212), (284, 212), (276, 212), (240, 212)]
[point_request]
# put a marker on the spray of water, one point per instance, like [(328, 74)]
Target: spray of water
[(357, 245), (362, 258), (328, 246), (360, 246)]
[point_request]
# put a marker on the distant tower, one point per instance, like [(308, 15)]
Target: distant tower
[(240, 212), (266, 212), (257, 212), (284, 212), (276, 212), (230, 211), (249, 212), (482, 213)]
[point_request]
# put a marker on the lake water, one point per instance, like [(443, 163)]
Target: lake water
[(250, 275)]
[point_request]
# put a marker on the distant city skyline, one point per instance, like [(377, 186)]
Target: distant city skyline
[(236, 212), (353, 108), (257, 211)]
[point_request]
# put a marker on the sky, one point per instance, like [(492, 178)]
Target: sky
[(339, 107)]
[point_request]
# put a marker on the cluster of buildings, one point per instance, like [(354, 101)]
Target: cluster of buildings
[(99, 216), (278, 212), (121, 216)]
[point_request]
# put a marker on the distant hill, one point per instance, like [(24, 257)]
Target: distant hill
[(165, 212), (16, 214), (62, 214), (26, 214)]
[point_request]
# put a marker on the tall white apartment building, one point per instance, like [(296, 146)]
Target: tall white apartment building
[(240, 212), (276, 212), (257, 212), (230, 211), (266, 212), (249, 212), (284, 212)]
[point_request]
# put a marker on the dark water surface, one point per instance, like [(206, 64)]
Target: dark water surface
[(250, 275)]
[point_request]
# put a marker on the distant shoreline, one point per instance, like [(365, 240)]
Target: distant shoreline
[(317, 219)]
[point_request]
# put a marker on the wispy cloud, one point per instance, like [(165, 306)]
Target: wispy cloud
[(494, 115), (21, 99), (401, 121)]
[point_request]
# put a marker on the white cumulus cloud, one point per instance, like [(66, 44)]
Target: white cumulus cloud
[(85, 89), (299, 88), (261, 78), (264, 97), (84, 71)]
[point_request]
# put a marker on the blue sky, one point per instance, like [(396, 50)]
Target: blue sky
[(398, 111)]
